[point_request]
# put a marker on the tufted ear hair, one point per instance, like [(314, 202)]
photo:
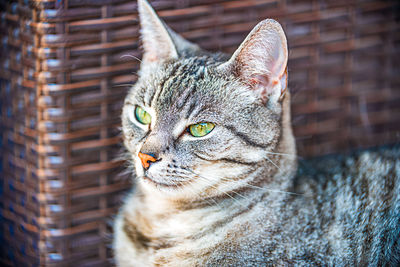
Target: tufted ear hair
[(261, 61), (159, 41)]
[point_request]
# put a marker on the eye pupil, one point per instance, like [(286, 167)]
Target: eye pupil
[(142, 116)]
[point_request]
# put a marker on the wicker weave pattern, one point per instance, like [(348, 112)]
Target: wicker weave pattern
[(64, 75)]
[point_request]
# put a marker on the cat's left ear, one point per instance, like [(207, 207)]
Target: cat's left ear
[(159, 41), (261, 61)]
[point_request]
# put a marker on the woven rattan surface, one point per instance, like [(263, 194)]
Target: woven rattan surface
[(67, 64)]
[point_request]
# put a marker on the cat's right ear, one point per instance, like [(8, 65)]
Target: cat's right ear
[(261, 61), (159, 41)]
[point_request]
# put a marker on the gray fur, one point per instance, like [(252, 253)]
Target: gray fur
[(231, 198), (347, 213)]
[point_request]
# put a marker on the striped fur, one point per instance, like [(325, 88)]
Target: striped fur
[(232, 198)]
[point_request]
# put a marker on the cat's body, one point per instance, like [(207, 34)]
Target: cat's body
[(354, 208), (227, 195), (346, 213)]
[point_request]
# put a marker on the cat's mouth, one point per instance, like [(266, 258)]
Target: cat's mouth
[(161, 184)]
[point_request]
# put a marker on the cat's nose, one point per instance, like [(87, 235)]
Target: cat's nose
[(146, 159)]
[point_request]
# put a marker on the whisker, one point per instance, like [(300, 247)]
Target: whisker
[(283, 154), (132, 56), (253, 186), (213, 200), (203, 177), (266, 188), (122, 85), (197, 194), (225, 193), (273, 163), (208, 180), (245, 183), (193, 191)]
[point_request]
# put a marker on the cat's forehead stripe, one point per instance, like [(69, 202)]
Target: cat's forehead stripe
[(179, 88), (190, 109), (184, 97), (160, 88), (167, 88)]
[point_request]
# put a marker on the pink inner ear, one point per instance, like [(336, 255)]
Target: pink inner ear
[(259, 64), (261, 85), (260, 61), (264, 87), (259, 80)]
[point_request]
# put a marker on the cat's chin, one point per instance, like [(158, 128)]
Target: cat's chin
[(154, 184), (162, 190)]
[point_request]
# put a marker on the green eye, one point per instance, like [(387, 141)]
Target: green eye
[(201, 129), (142, 116)]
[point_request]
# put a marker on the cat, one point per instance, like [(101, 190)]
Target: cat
[(209, 137)]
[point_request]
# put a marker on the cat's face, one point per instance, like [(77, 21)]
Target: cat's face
[(181, 94), (191, 123)]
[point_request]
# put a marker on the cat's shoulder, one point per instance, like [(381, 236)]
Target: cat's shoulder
[(368, 164)]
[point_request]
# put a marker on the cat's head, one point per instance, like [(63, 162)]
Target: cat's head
[(200, 124)]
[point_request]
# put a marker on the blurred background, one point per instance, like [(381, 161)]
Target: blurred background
[(66, 65)]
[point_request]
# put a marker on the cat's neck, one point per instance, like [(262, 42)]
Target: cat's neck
[(161, 212), (281, 164), (287, 146)]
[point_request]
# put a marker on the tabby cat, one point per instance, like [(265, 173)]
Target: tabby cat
[(210, 140)]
